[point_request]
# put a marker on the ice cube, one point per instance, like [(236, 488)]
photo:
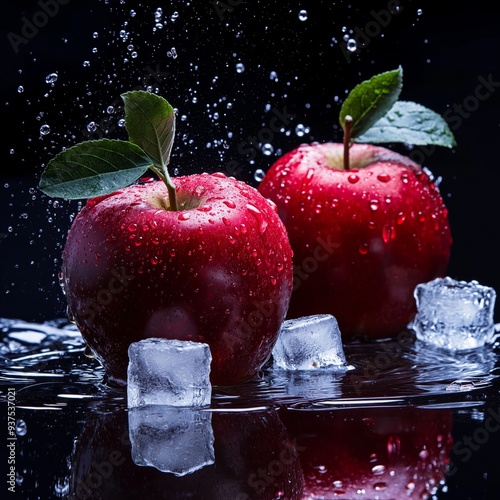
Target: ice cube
[(168, 372), (453, 314), (175, 440), (310, 343)]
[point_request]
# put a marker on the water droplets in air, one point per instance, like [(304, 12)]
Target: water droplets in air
[(351, 45), (240, 67), (172, 53), (21, 427), (51, 78), (45, 129), (267, 149), (301, 130), (303, 15), (259, 175)]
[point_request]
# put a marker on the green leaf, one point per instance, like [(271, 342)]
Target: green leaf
[(371, 100), (411, 123), (93, 168), (150, 123)]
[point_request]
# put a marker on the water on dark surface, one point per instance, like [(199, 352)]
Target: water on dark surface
[(388, 427)]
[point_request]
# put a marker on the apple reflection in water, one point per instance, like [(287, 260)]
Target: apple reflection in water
[(371, 453), (376, 453), (253, 458)]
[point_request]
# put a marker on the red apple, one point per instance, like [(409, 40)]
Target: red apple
[(373, 453), (362, 238), (216, 270)]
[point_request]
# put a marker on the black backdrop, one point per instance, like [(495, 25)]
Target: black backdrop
[(446, 50)]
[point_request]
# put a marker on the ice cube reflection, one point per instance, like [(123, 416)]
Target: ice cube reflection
[(175, 440)]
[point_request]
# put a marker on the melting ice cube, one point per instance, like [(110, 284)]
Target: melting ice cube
[(175, 440), (453, 314), (310, 343), (168, 372)]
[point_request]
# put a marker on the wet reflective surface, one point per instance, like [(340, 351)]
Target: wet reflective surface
[(407, 420)]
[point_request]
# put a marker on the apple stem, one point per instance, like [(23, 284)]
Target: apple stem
[(347, 139), (163, 174)]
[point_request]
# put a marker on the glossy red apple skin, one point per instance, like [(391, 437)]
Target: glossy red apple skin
[(374, 453), (219, 272), (362, 239)]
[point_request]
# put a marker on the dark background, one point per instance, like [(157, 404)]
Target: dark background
[(445, 50)]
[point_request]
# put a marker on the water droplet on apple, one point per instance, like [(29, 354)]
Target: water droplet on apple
[(380, 486), (401, 218), (262, 223), (393, 446), (363, 248), (374, 205), (273, 280), (317, 210), (404, 178), (388, 233), (353, 178), (154, 261), (378, 470), (132, 228), (410, 486), (204, 208), (309, 175), (232, 241), (384, 177), (226, 221), (229, 204), (184, 216), (172, 253)]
